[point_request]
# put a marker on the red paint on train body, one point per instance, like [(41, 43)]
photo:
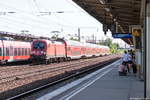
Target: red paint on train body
[(48, 50)]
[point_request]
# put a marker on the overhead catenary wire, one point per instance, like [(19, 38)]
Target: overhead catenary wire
[(31, 15), (9, 20), (46, 22), (36, 4)]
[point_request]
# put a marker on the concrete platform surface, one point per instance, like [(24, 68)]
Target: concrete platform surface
[(107, 86), (113, 87)]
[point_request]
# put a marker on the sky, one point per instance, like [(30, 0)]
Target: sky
[(41, 17)]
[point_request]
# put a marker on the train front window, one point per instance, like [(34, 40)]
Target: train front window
[(39, 45)]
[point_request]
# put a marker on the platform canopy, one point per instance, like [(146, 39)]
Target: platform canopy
[(121, 13)]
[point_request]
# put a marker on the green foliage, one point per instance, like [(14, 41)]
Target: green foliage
[(54, 37), (74, 39), (113, 46), (121, 51), (106, 42)]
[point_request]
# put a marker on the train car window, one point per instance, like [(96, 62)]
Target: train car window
[(18, 51), (15, 51), (26, 51), (11, 51), (23, 51), (4, 51), (0, 51), (7, 52), (39, 45), (29, 51)]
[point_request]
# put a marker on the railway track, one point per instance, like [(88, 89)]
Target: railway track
[(46, 71), (89, 70), (25, 66), (65, 67), (19, 70)]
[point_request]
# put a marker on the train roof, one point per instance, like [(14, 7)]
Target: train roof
[(50, 41), (73, 43), (90, 45), (7, 38), (44, 40), (95, 45), (16, 43)]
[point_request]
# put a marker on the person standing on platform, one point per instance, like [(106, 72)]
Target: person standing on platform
[(133, 61), (130, 62), (125, 58)]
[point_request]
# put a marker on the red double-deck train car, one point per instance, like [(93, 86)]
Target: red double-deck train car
[(14, 50), (49, 51), (73, 49)]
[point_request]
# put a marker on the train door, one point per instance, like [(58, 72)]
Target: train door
[(11, 51), (6, 50), (1, 50)]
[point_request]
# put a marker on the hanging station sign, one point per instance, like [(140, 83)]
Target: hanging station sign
[(122, 35)]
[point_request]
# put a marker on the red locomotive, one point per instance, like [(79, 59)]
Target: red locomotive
[(49, 51), (14, 50)]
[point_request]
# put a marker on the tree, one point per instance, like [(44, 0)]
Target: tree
[(106, 42), (113, 46), (74, 39), (54, 37)]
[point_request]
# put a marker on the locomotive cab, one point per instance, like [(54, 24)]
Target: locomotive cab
[(38, 50)]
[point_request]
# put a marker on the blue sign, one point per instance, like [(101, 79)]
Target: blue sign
[(122, 35)]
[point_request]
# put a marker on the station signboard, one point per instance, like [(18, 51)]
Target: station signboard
[(122, 35)]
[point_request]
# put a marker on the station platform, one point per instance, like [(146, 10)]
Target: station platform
[(104, 85)]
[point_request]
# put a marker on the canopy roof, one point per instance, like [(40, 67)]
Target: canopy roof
[(122, 12)]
